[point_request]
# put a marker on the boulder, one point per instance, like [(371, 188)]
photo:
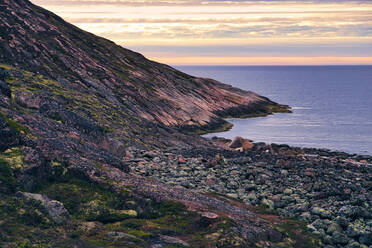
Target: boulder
[(241, 144), (55, 209), (28, 99), (173, 241)]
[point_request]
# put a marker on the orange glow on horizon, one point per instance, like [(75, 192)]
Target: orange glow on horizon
[(264, 60)]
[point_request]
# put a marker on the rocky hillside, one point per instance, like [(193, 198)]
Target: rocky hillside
[(36, 40), (72, 108)]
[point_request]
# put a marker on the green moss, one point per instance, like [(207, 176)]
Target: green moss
[(7, 180), (265, 209), (14, 157), (298, 234)]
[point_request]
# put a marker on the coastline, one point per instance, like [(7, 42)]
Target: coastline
[(327, 191), (219, 125)]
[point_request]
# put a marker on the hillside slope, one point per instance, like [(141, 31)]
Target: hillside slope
[(75, 109), (39, 41)]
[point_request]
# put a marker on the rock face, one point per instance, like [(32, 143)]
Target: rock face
[(56, 211), (40, 41)]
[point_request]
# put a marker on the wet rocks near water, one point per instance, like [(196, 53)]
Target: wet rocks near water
[(328, 190), (241, 144)]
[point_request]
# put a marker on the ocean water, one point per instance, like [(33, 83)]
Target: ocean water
[(332, 105)]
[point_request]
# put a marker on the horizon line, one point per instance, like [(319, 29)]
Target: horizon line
[(293, 65)]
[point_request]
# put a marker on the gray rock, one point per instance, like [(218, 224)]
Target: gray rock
[(342, 221), (173, 240), (120, 235), (334, 227), (366, 238), (55, 209), (353, 244), (349, 211), (340, 238)]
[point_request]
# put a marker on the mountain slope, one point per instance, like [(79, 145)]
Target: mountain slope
[(75, 109), (39, 41)]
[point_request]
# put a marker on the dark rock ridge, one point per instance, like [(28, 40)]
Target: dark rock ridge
[(39, 41)]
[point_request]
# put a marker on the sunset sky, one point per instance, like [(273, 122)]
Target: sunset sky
[(235, 32)]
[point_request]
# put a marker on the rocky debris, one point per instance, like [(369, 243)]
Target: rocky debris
[(55, 209), (334, 199), (241, 144)]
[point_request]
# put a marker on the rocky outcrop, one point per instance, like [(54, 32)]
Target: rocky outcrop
[(55, 209)]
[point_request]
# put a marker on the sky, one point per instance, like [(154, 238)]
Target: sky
[(234, 32)]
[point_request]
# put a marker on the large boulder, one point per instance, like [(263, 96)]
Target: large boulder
[(27, 99), (55, 209), (241, 144)]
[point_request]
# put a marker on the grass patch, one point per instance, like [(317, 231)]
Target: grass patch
[(298, 234)]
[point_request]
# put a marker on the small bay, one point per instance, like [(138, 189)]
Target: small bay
[(332, 105)]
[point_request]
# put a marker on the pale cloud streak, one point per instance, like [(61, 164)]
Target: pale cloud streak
[(169, 30)]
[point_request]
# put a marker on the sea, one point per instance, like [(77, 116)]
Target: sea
[(332, 105)]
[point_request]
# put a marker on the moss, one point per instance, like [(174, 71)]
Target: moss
[(7, 180), (265, 209), (298, 235), (14, 157)]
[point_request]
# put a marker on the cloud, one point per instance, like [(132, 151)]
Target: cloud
[(234, 28)]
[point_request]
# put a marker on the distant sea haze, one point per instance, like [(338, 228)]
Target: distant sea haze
[(332, 105)]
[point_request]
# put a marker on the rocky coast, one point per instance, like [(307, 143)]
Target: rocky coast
[(99, 148), (330, 191)]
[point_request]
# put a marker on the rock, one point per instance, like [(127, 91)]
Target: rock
[(353, 244), (342, 221), (56, 211), (208, 218), (349, 211), (5, 89), (321, 212), (173, 240), (366, 238), (340, 238), (334, 227), (268, 203), (120, 235), (28, 99), (288, 191), (181, 160), (284, 172), (241, 143)]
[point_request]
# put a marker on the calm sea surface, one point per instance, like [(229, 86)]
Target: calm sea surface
[(332, 105)]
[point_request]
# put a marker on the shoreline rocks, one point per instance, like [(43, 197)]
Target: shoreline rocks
[(330, 191)]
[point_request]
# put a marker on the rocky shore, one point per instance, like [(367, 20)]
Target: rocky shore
[(331, 191)]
